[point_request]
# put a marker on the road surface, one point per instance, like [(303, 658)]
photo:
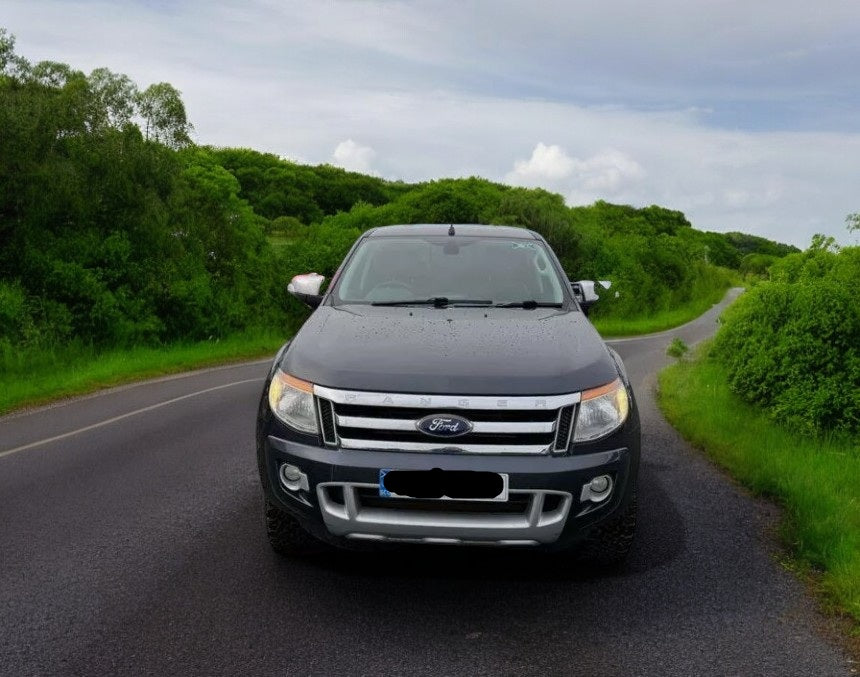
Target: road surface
[(131, 543)]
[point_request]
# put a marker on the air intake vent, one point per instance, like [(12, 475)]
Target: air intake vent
[(329, 434), (563, 428)]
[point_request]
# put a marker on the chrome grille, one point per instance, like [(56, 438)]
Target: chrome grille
[(500, 425)]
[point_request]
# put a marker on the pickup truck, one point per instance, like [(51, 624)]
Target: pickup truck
[(448, 388)]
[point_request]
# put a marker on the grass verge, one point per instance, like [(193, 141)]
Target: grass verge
[(665, 319), (816, 480), (35, 377)]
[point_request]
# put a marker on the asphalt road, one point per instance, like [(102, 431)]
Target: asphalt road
[(131, 543)]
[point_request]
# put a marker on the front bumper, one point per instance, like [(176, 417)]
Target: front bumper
[(341, 500)]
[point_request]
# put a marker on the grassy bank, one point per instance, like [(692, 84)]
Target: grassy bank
[(30, 378), (816, 480), (659, 321)]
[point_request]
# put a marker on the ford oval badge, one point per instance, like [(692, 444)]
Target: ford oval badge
[(444, 425)]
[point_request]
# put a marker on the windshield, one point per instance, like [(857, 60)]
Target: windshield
[(472, 269)]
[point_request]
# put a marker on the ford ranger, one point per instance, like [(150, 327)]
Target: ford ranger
[(449, 389)]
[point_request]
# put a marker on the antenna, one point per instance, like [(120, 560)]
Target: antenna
[(451, 230)]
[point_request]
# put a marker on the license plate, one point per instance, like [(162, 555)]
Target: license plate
[(448, 485)]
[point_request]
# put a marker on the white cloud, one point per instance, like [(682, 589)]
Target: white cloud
[(604, 175), (547, 163), (609, 172), (354, 157)]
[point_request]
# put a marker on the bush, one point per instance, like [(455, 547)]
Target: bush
[(677, 348), (794, 347), (15, 319)]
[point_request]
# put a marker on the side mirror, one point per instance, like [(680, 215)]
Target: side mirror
[(585, 293), (306, 288)]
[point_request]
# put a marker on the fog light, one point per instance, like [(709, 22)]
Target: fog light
[(290, 473), (597, 490), (293, 478), (600, 484)]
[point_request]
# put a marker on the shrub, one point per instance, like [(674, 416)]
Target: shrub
[(794, 348), (677, 348)]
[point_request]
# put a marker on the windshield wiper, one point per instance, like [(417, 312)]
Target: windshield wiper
[(529, 304), (436, 301)]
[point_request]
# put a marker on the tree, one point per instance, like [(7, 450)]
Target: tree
[(7, 49), (10, 63), (852, 222), (823, 243), (53, 74), (160, 105), (114, 97)]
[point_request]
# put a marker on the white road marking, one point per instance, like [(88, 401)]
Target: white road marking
[(108, 421)]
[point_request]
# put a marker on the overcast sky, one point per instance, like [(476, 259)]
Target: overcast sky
[(743, 114)]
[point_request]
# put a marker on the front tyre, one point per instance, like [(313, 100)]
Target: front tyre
[(608, 544), (286, 535)]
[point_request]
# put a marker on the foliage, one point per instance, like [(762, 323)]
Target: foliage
[(757, 265), (745, 244), (161, 107), (112, 238), (792, 345), (677, 348), (280, 188)]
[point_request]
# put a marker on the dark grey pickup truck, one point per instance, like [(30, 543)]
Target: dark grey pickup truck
[(449, 389)]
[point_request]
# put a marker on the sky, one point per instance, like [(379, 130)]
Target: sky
[(745, 115)]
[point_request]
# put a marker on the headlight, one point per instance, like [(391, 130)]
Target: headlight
[(601, 411), (292, 401)]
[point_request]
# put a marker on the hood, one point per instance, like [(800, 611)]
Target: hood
[(461, 351)]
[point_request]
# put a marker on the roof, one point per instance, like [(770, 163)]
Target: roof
[(466, 229)]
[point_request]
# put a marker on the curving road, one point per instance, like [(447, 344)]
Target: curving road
[(131, 543)]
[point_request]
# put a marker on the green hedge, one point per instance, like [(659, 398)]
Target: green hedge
[(792, 345)]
